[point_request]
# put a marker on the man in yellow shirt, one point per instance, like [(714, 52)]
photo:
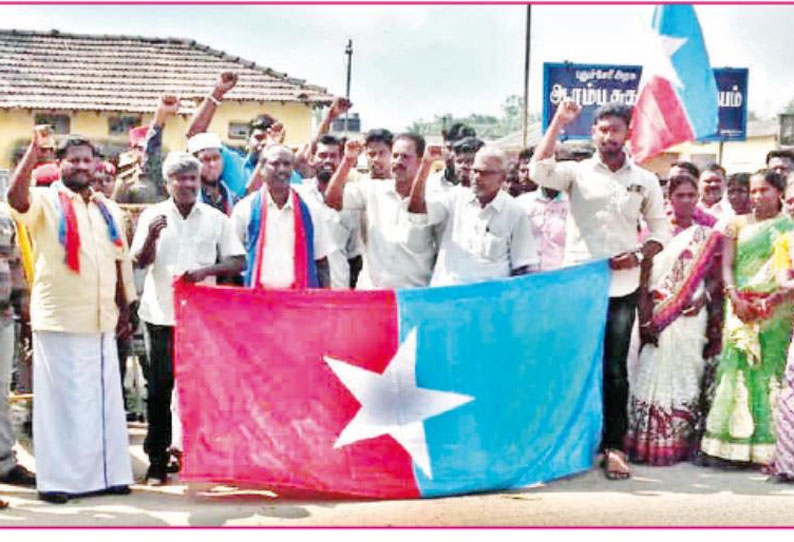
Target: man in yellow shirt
[(80, 260)]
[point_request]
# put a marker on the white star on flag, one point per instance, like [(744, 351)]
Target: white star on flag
[(660, 61), (392, 404)]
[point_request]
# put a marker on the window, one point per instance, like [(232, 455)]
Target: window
[(122, 124), (238, 130), (61, 124)]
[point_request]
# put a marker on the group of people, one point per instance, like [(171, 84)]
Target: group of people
[(708, 284)]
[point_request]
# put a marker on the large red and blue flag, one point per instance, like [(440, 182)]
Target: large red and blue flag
[(393, 394), (678, 98)]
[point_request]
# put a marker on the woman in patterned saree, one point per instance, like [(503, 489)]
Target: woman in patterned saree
[(782, 469), (739, 427), (680, 325)]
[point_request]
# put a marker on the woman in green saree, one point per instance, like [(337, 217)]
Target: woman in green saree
[(740, 424)]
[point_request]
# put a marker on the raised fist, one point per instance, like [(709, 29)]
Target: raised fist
[(339, 107), (276, 134), (227, 82), (433, 153), (169, 104), (42, 136), (567, 111), (353, 149)]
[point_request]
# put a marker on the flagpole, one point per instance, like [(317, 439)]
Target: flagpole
[(349, 53), (526, 79)]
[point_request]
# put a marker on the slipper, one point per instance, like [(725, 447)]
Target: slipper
[(615, 466)]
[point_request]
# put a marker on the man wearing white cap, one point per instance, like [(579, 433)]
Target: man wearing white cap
[(206, 146)]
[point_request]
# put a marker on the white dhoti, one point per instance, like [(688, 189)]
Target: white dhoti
[(79, 426)]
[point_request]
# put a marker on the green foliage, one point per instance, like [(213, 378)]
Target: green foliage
[(486, 126)]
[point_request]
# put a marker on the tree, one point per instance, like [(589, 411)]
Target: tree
[(486, 126)]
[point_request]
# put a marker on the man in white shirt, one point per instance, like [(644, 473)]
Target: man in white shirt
[(486, 233), (463, 151), (391, 259), (179, 237), (712, 190), (608, 195), (269, 223), (343, 226)]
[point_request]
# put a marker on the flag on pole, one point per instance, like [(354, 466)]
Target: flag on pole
[(678, 98), (413, 393)]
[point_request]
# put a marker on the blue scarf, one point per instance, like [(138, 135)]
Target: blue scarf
[(252, 238)]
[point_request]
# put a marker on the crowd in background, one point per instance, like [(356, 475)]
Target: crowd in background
[(701, 296)]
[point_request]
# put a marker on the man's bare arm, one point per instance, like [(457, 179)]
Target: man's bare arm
[(418, 203), (203, 115), (19, 190), (334, 194)]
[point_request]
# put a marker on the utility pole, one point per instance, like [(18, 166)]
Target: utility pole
[(526, 79), (349, 53)]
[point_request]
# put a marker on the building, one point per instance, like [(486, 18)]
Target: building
[(735, 156), (100, 86)]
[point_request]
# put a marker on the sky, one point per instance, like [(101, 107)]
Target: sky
[(414, 62)]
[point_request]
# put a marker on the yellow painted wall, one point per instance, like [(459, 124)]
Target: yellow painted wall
[(16, 125)]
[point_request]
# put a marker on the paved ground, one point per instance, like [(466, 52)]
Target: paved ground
[(680, 495)]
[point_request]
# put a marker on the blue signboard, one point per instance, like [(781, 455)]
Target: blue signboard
[(593, 85), (732, 88)]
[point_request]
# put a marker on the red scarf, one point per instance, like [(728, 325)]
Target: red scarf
[(301, 274)]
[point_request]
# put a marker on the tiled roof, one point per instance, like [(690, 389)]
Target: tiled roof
[(54, 70)]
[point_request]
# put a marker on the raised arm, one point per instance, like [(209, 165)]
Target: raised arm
[(418, 203), (334, 194), (19, 190), (567, 111), (338, 108), (203, 115), (152, 150)]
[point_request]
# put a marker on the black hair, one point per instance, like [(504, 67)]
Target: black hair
[(677, 180), (689, 166), (772, 177), (418, 140), (467, 145), (379, 135), (741, 178), (526, 154), (262, 122), (780, 153), (614, 109), (457, 132), (75, 140), (716, 168), (331, 140)]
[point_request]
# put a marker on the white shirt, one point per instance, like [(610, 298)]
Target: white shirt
[(343, 228), (185, 244), (391, 261), (605, 210), (278, 260), (436, 183), (479, 243), (722, 211)]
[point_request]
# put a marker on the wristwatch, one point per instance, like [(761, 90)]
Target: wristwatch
[(639, 255)]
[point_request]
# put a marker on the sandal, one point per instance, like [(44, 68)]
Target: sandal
[(615, 465)]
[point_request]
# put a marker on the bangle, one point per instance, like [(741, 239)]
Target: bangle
[(214, 100), (646, 324)]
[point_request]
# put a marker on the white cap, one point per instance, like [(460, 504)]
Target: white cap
[(202, 141)]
